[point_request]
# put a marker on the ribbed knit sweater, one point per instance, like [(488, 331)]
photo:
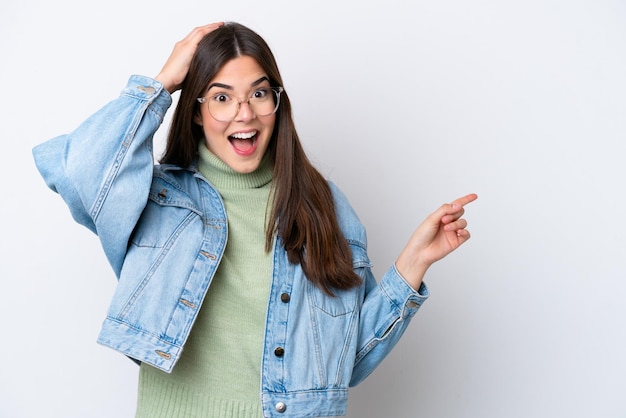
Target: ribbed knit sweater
[(219, 372)]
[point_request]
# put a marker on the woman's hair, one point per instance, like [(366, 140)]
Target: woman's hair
[(302, 209)]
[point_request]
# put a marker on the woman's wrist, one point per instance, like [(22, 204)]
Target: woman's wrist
[(166, 82), (412, 270)]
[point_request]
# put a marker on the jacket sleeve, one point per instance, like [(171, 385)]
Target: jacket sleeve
[(387, 309), (103, 169)]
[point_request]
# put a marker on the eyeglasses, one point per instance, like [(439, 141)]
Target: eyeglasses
[(224, 107)]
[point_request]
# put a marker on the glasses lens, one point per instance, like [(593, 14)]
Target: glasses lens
[(262, 102), (222, 107)]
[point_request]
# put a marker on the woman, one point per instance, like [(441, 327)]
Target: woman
[(244, 288)]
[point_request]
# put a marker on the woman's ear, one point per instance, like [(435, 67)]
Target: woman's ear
[(197, 118)]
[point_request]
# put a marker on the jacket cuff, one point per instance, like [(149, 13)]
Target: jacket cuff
[(401, 294), (151, 90)]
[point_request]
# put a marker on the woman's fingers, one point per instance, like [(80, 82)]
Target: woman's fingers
[(201, 31), (195, 36), (462, 201), (456, 209), (456, 225), (176, 67)]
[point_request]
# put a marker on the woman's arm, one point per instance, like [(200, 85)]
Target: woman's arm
[(103, 169), (389, 305)]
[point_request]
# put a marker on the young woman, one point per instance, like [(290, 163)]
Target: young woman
[(245, 289)]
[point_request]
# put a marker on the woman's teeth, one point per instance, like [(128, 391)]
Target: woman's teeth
[(244, 135)]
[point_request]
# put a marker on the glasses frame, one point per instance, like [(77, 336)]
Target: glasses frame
[(277, 90)]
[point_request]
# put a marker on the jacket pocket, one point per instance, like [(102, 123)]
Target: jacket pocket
[(345, 301), (167, 210)]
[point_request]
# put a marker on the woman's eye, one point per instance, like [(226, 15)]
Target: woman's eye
[(221, 98), (260, 94)]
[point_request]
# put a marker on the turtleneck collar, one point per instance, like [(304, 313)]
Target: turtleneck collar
[(222, 176)]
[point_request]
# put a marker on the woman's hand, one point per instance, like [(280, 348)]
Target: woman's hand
[(176, 67), (442, 232)]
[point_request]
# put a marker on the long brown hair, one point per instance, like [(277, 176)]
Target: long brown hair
[(302, 210)]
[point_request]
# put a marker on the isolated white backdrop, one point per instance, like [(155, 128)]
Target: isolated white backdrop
[(405, 105)]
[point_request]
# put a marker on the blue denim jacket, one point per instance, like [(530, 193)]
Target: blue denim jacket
[(163, 229)]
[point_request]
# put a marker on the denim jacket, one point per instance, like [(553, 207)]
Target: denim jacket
[(163, 229)]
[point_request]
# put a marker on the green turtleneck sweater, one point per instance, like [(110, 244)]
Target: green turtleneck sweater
[(219, 372)]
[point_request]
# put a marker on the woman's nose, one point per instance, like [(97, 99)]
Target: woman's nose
[(245, 112)]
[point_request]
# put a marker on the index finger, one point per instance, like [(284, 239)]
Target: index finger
[(462, 201)]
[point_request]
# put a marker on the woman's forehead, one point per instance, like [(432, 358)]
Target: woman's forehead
[(240, 72)]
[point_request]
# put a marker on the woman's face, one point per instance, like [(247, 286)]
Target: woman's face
[(242, 141)]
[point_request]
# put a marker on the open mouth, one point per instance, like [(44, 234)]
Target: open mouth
[(244, 143)]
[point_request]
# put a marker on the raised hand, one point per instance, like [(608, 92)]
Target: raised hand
[(176, 67), (442, 232)]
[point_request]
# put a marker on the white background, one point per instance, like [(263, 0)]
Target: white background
[(405, 105)]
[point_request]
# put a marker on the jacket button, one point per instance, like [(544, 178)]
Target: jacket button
[(279, 352), (281, 407), (285, 297)]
